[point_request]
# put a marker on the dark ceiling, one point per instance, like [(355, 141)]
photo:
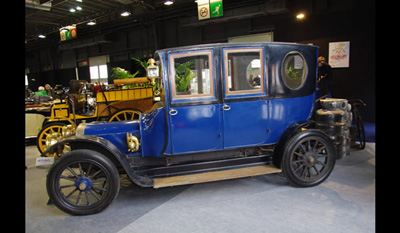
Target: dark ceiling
[(46, 17)]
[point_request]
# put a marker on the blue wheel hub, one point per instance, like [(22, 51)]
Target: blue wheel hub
[(83, 184)]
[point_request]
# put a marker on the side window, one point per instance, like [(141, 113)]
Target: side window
[(191, 75), (294, 70), (244, 71)]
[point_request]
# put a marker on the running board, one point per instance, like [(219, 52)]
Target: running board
[(215, 176)]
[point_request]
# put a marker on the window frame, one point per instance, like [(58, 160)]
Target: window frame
[(305, 70), (173, 56), (253, 92)]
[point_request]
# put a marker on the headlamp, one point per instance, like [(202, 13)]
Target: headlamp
[(152, 71), (68, 131)]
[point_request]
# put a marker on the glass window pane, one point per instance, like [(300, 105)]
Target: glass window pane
[(294, 70), (244, 71), (192, 75), (94, 72), (103, 71)]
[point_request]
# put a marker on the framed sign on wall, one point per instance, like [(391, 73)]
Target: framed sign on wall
[(339, 54)]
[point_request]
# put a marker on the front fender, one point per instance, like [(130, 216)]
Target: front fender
[(105, 147), (74, 140)]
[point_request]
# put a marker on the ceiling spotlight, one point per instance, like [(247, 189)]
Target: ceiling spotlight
[(300, 16), (72, 10), (41, 36), (168, 2), (91, 22), (79, 0), (126, 13), (78, 8)]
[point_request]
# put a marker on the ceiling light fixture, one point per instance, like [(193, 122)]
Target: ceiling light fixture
[(91, 22), (41, 36), (126, 13), (300, 16), (168, 3), (78, 8), (72, 10)]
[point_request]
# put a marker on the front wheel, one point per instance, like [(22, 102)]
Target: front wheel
[(308, 159), (83, 182)]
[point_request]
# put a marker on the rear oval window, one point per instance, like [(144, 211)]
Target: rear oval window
[(294, 70)]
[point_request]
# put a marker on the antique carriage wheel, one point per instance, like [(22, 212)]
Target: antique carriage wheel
[(47, 131), (125, 114), (83, 182), (309, 158)]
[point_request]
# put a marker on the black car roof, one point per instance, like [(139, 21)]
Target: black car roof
[(236, 44)]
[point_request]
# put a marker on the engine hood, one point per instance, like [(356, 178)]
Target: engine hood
[(115, 132)]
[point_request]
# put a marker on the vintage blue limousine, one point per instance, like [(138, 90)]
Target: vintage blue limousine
[(223, 111)]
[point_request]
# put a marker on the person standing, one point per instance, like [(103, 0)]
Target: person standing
[(98, 86), (325, 76)]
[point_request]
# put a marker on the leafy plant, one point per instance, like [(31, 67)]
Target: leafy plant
[(141, 63), (294, 74), (120, 73), (183, 75)]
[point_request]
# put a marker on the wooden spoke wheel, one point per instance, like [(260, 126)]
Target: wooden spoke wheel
[(126, 114), (48, 131)]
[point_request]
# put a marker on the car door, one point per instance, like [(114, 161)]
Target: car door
[(245, 108), (195, 116)]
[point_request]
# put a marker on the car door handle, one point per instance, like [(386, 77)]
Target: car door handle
[(226, 107), (173, 112)]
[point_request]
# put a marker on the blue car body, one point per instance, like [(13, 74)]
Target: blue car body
[(221, 106), (202, 124), (225, 111)]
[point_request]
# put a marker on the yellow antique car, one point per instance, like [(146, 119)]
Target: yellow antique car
[(110, 105)]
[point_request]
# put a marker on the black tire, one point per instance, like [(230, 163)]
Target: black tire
[(308, 158), (83, 182)]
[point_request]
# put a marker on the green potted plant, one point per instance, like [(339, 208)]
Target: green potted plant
[(183, 75)]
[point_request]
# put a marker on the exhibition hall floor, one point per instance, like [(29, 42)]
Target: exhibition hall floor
[(345, 202)]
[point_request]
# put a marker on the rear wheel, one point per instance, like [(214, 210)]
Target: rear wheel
[(308, 158), (83, 182)]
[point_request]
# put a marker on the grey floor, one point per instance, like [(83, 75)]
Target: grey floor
[(343, 203)]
